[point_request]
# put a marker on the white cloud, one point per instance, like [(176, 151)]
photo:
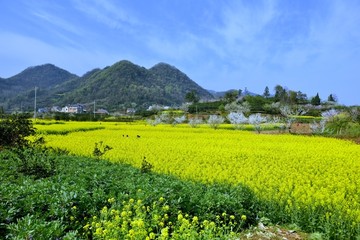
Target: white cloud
[(58, 22), (108, 13), (242, 24)]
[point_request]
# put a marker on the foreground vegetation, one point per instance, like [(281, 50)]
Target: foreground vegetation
[(76, 196), (182, 183)]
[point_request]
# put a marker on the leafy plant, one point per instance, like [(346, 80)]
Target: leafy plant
[(146, 166), (36, 162), (14, 129), (100, 149)]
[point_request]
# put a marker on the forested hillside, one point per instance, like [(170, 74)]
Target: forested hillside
[(116, 86)]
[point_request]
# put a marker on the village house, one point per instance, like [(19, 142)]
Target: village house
[(76, 108)]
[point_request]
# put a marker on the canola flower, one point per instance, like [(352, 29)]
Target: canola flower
[(308, 176), (116, 223)]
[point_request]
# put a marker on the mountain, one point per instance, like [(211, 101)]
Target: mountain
[(116, 87), (125, 83), (44, 76)]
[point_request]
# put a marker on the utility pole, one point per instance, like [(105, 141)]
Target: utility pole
[(94, 109), (35, 105)]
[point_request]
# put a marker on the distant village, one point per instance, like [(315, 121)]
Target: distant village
[(81, 108)]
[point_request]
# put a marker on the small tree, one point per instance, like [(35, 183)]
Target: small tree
[(237, 119), (179, 120), (155, 121), (256, 120), (318, 128), (331, 98), (235, 107), (194, 122), (230, 96), (214, 121), (316, 101), (266, 93), (14, 129)]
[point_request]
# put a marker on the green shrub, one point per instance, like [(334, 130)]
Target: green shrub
[(14, 129)]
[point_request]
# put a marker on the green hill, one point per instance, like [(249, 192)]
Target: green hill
[(121, 85)]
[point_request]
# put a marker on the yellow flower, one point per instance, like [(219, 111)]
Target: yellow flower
[(86, 227), (243, 217), (152, 235)]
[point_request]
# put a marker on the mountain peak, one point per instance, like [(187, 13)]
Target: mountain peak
[(121, 84), (45, 75)]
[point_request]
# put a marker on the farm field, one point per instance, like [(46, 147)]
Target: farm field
[(311, 181)]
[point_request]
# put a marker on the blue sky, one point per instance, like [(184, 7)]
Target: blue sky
[(307, 45)]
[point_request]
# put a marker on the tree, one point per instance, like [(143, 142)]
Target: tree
[(331, 98), (237, 119), (214, 121), (192, 97), (194, 122), (14, 129), (316, 101), (257, 103), (230, 96), (256, 120), (266, 93), (293, 97), (280, 94), (302, 98)]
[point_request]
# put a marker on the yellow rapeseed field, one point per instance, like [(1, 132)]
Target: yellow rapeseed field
[(304, 173)]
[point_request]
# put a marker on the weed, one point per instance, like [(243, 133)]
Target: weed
[(100, 149), (146, 166)]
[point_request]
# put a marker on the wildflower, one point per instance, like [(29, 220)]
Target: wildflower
[(243, 217)]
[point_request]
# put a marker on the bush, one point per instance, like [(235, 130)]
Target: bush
[(14, 129)]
